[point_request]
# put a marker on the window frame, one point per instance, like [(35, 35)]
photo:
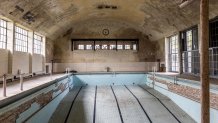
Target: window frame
[(127, 48), (89, 48), (40, 45), (173, 53), (79, 47), (3, 45), (21, 45), (119, 47)]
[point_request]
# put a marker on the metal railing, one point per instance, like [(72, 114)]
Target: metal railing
[(21, 75), (4, 82)]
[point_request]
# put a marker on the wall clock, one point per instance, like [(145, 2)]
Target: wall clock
[(105, 32)]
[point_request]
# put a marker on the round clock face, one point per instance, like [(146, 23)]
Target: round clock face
[(105, 32)]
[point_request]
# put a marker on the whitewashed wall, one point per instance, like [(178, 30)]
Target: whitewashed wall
[(37, 61), (20, 61), (3, 62), (101, 67)]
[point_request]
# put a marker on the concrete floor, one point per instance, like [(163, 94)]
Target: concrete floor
[(118, 104)]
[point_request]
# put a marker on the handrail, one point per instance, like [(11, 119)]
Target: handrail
[(4, 81)]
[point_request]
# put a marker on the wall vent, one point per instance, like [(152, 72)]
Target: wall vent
[(103, 6)]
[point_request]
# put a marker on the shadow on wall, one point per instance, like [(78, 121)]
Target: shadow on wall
[(78, 82)]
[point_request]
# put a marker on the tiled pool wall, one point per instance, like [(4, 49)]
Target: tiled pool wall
[(38, 104), (186, 94), (109, 79), (35, 105)]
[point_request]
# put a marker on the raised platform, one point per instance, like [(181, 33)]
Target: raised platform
[(13, 88)]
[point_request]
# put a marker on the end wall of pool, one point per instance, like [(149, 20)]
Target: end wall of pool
[(109, 79)]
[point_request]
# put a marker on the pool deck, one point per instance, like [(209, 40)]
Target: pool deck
[(213, 81), (13, 88), (118, 104)]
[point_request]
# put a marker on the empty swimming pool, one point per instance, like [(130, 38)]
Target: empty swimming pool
[(108, 97), (117, 104)]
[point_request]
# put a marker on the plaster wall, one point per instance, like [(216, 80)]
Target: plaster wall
[(90, 60), (101, 67), (37, 63), (20, 61), (3, 61)]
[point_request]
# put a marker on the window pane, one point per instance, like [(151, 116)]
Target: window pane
[(88, 47), (173, 53), (21, 39), (3, 34), (37, 44), (119, 47), (112, 47), (127, 47), (104, 47), (81, 47)]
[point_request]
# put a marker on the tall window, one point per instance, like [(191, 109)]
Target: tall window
[(214, 33), (189, 49), (21, 39), (37, 44), (213, 47), (173, 53), (190, 52), (3, 34)]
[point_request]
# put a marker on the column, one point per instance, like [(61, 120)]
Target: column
[(167, 54), (204, 61), (180, 54), (30, 49), (10, 44), (44, 53)]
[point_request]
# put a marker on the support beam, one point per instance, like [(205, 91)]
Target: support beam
[(180, 53), (204, 61)]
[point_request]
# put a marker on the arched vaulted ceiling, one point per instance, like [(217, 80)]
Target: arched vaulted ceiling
[(155, 18)]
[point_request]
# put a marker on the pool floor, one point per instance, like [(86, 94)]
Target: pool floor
[(118, 104)]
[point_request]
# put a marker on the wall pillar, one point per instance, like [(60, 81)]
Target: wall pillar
[(44, 53), (167, 54), (180, 50), (204, 61), (10, 44), (30, 49)]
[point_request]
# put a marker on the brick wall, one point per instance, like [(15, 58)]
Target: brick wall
[(188, 92)]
